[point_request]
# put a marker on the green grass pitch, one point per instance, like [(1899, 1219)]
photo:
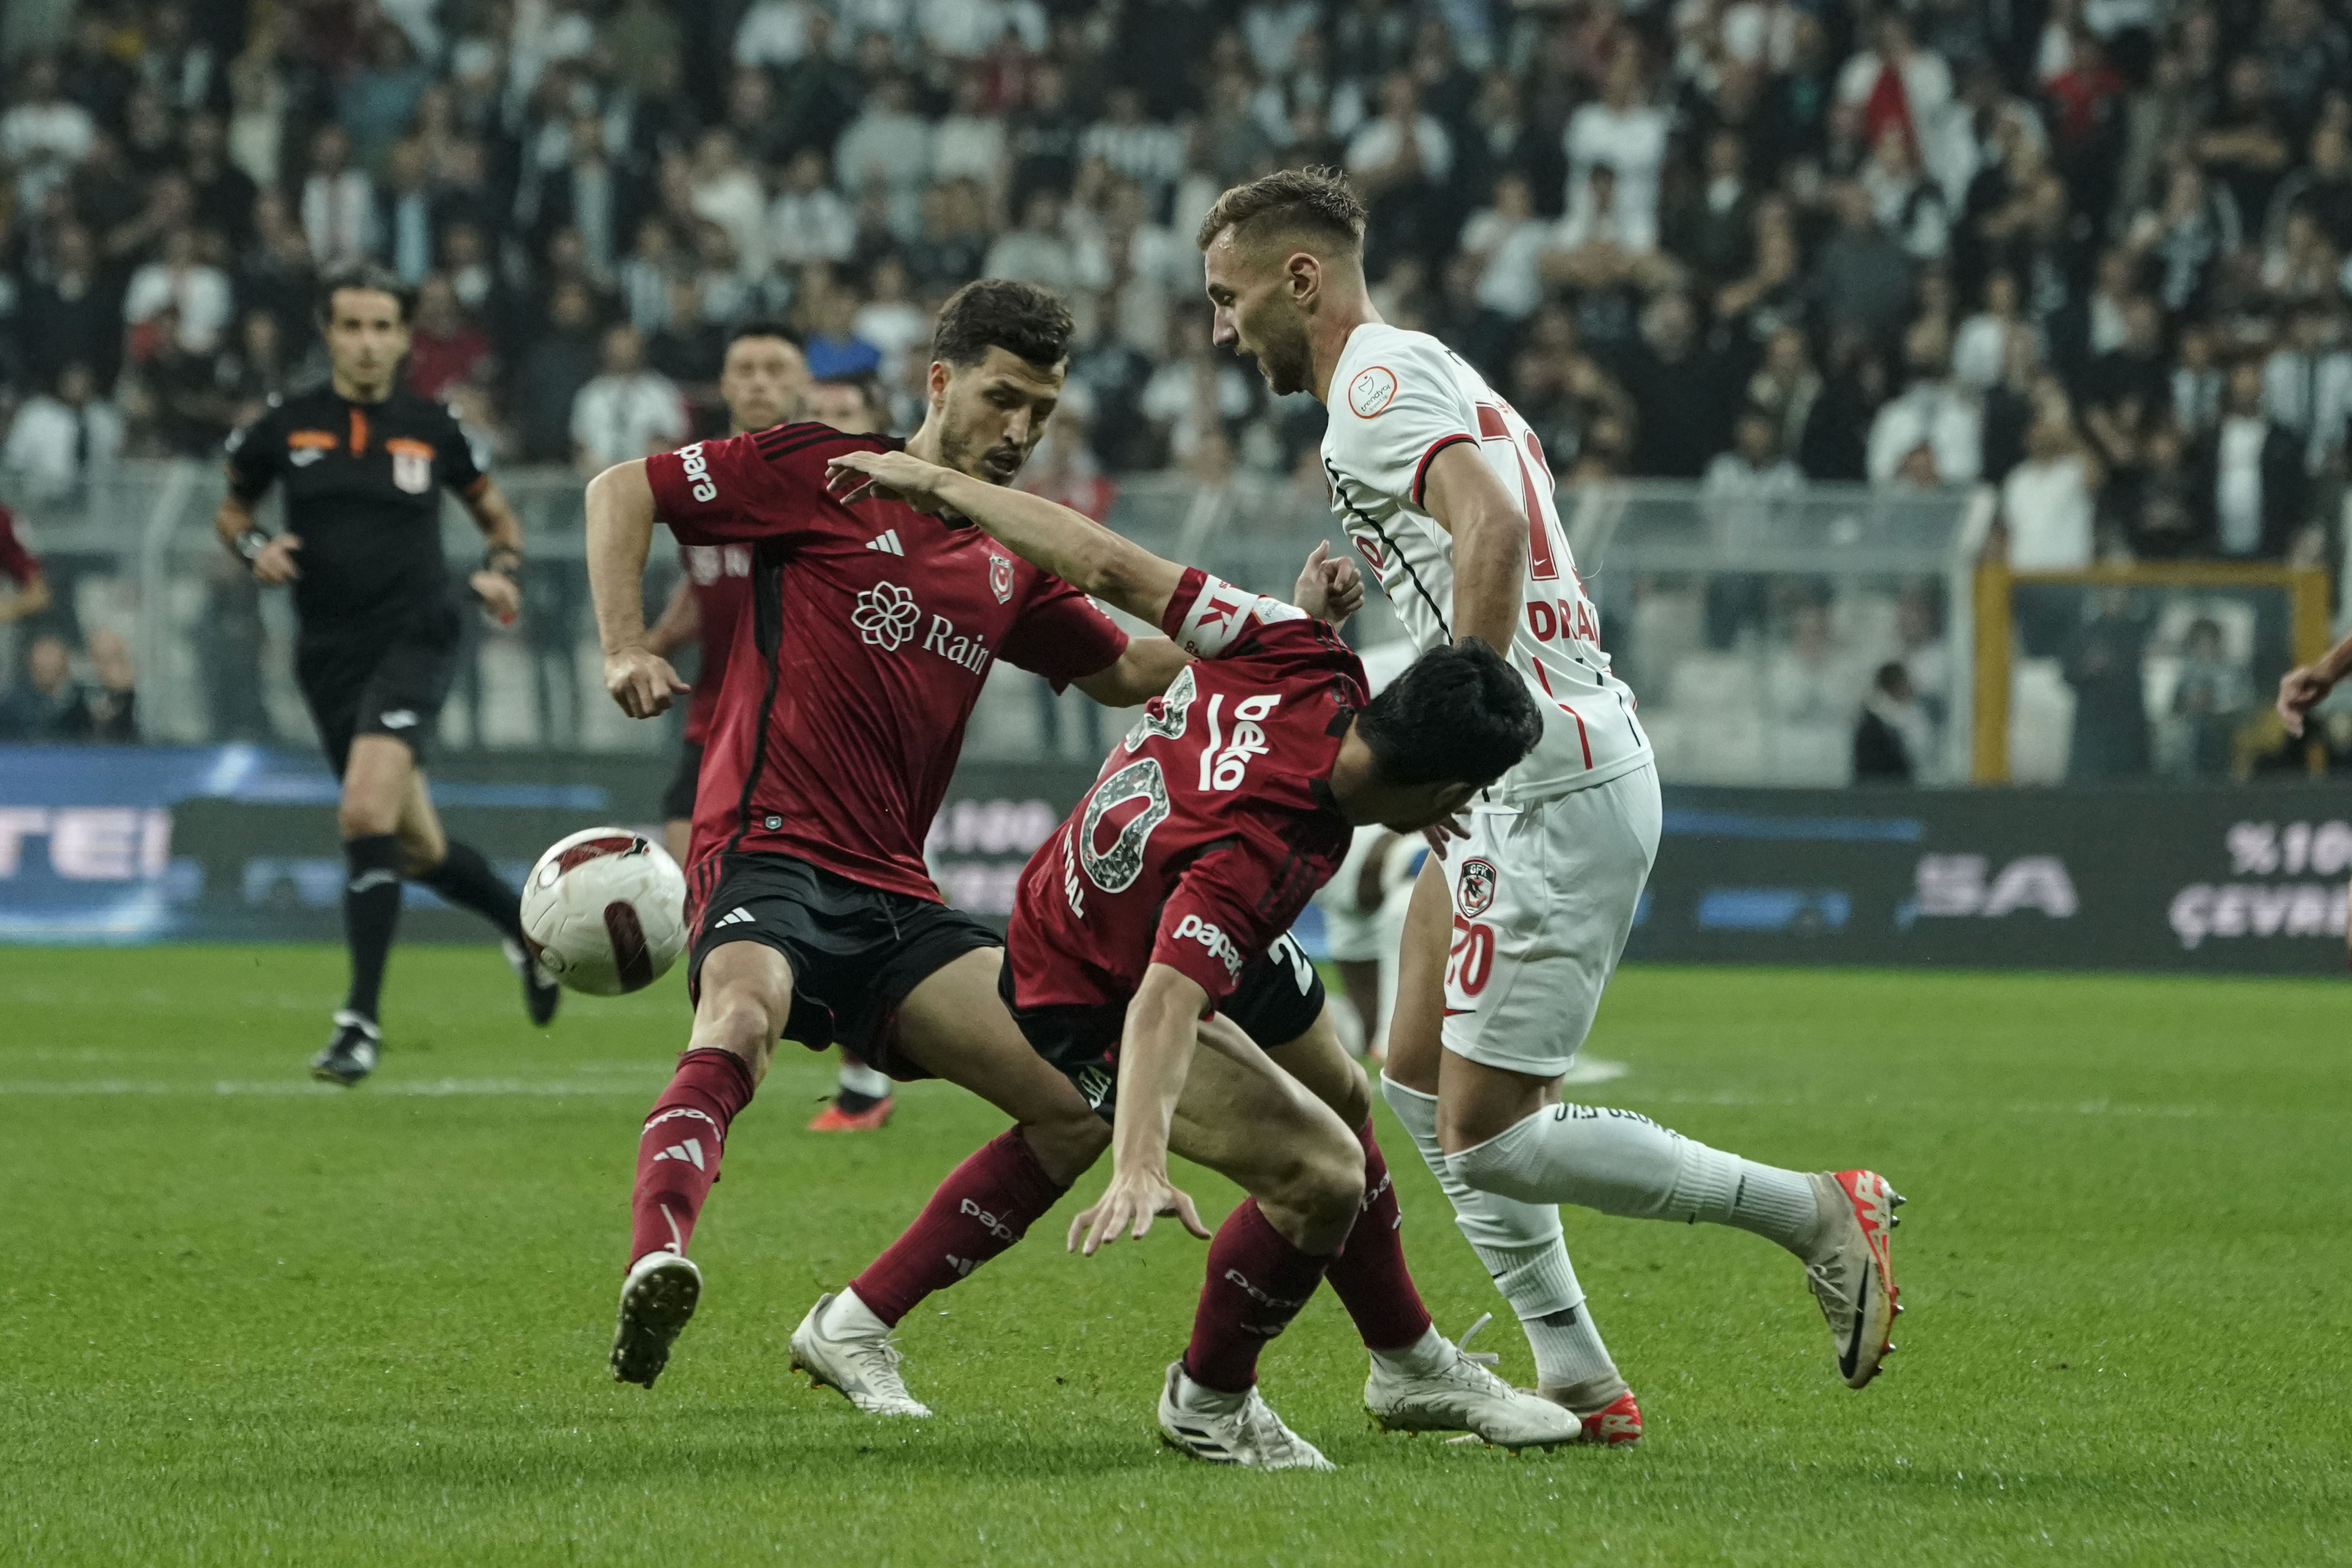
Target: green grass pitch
[(243, 1318)]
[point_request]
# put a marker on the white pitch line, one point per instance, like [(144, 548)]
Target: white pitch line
[(432, 1088)]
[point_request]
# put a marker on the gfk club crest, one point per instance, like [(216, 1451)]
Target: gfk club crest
[(1000, 578), (1476, 893)]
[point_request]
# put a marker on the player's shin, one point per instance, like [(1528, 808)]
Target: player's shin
[(1622, 1162), (370, 914), (1257, 1281), (677, 1153), (1369, 1276), (985, 1206), (1525, 1252)]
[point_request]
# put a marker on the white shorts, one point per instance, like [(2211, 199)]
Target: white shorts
[(1544, 896)]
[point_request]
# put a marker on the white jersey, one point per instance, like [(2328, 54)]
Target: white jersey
[(1399, 398)]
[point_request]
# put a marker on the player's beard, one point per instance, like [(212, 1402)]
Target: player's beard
[(1283, 357), (995, 465)]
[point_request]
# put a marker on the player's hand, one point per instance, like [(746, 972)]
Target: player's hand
[(1128, 1207), (892, 476), (501, 594), (641, 681), (275, 564), (2300, 689), (1329, 590), (1438, 833)]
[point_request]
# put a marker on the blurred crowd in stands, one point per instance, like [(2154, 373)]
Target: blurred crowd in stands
[(2091, 254)]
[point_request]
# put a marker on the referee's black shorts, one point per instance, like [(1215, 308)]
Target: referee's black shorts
[(368, 681)]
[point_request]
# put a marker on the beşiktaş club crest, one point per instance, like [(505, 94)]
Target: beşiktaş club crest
[(1477, 889), (1000, 578)]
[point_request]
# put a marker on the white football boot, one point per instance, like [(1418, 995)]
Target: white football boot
[(1460, 1394), (1851, 1268), (657, 1300), (1230, 1428), (859, 1359)]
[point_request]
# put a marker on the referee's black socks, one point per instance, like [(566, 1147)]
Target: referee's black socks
[(370, 914), (466, 879)]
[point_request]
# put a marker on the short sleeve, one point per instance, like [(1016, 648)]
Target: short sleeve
[(459, 469), (768, 484), (1062, 635), (255, 454), (1394, 415), (1213, 925), (16, 561), (1208, 617)]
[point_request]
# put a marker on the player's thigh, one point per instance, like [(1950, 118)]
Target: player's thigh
[(1417, 1024), (743, 997), (1543, 910), (378, 774), (954, 1026), (1261, 1128), (1322, 1066)]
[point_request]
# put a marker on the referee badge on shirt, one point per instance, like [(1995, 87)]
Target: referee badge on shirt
[(1000, 578), (412, 464)]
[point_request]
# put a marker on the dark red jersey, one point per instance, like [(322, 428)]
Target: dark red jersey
[(719, 578), (871, 631), (1212, 823), (15, 559)]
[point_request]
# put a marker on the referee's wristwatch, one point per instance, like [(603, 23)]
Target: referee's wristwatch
[(249, 545), (503, 559)]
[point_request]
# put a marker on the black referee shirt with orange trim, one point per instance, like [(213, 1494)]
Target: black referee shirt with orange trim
[(363, 483)]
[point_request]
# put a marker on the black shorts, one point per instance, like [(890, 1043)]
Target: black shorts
[(1277, 999), (856, 952), (678, 800), (380, 686)]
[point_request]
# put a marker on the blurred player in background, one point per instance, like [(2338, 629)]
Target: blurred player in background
[(363, 461), (30, 594), (1168, 896), (1446, 493), (871, 633), (763, 380)]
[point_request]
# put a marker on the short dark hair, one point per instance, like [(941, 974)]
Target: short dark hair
[(372, 276), (1457, 713), (1316, 202), (762, 329), (997, 312)]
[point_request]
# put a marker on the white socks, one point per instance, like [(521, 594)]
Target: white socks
[(1430, 1354), (1622, 1162), (848, 1317), (860, 1078), (1521, 1247)]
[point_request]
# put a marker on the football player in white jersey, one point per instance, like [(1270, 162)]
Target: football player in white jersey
[(1446, 493)]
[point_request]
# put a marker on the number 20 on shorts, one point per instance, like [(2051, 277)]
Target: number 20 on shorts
[(1472, 960)]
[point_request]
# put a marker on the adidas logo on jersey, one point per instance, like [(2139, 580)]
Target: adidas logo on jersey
[(691, 1150), (885, 542), (737, 916)]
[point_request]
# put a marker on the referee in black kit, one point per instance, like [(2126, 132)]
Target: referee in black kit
[(363, 461)]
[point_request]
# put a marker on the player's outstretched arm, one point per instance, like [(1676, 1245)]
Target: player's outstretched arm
[(1155, 1054), (1490, 543), (2303, 688), (1071, 545), (620, 506)]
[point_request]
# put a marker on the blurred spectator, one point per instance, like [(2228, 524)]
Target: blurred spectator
[(1682, 389), (29, 592), (2102, 664), (1042, 250), (626, 411), (1891, 738), (444, 346), (2214, 696), (1934, 433), (2307, 383), (559, 362), (44, 134), (61, 438), (888, 141), (197, 294), (2247, 485), (337, 205), (74, 315), (50, 705), (1861, 277), (1627, 135), (2048, 503), (1151, 153), (1402, 160), (808, 221)]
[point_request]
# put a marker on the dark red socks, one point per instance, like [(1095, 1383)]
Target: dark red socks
[(677, 1153), (1257, 1282), (986, 1205), (1369, 1276)]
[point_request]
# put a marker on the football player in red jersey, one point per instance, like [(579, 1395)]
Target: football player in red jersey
[(32, 590), (1156, 917), (872, 627)]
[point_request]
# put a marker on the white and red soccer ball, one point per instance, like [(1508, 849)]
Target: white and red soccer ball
[(605, 911)]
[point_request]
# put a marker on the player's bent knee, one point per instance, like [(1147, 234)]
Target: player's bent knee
[(1067, 1146), (366, 819)]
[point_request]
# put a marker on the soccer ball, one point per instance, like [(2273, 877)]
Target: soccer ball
[(605, 911)]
